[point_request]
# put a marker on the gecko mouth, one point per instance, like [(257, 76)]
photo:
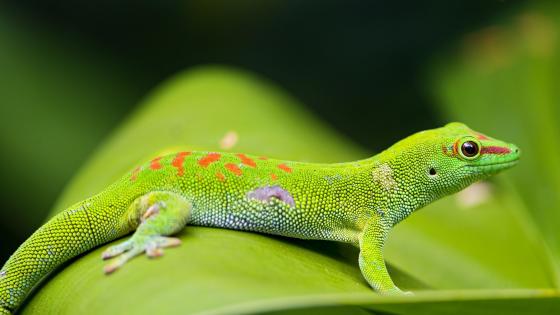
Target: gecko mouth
[(496, 165)]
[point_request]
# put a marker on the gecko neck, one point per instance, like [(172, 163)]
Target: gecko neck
[(395, 190)]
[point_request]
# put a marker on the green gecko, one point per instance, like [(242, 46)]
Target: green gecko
[(355, 202)]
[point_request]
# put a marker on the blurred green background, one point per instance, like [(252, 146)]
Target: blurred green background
[(73, 75), (69, 73)]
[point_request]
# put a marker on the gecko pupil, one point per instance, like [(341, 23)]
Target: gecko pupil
[(469, 148)]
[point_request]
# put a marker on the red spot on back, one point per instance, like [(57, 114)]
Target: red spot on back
[(155, 164), (494, 150), (134, 175), (233, 168), (221, 177), (246, 160), (273, 176), (209, 159), (263, 158), (178, 162), (285, 168)]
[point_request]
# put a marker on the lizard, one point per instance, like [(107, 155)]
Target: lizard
[(354, 202)]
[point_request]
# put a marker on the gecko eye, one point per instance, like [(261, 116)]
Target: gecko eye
[(470, 149)]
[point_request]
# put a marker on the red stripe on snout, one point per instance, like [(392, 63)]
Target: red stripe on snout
[(481, 136), (494, 150)]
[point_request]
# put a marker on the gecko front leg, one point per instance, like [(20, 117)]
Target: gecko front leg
[(371, 261), (160, 214)]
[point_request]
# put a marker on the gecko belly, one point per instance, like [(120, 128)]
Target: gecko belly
[(271, 217), (275, 217)]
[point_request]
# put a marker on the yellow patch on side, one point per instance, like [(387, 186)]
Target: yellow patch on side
[(383, 174)]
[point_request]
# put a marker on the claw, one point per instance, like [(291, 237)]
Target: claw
[(154, 252), (109, 269)]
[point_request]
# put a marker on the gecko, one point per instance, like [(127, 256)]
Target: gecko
[(354, 202)]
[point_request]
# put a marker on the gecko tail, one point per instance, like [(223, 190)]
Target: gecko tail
[(63, 237)]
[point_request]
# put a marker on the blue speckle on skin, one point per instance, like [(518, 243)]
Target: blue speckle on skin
[(380, 212), (377, 265), (11, 294), (267, 192), (2, 273), (332, 179)]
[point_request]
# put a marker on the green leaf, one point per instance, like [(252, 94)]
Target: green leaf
[(219, 271), (505, 81), (57, 100)]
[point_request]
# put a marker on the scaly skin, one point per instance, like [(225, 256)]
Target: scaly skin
[(356, 202)]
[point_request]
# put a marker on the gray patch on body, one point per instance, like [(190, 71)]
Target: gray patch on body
[(2, 274), (267, 192)]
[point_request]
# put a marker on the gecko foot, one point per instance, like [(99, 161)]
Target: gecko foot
[(159, 214), (126, 250), (397, 292)]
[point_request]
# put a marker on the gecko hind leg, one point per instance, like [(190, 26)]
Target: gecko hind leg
[(160, 214)]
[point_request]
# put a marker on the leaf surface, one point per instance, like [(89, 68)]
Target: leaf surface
[(218, 271)]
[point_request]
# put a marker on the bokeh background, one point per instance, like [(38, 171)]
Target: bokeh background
[(375, 71)]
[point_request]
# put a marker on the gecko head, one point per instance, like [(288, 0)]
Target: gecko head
[(448, 159)]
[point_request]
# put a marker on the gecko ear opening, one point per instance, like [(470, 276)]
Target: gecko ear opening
[(432, 171)]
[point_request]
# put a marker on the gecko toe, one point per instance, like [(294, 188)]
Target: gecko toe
[(154, 252), (119, 261), (116, 250), (154, 248), (121, 253), (163, 241)]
